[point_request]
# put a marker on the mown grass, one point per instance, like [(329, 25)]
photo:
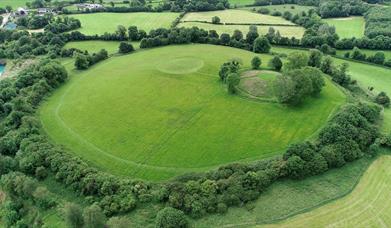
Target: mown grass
[(128, 117), (108, 22), (348, 27), (238, 3), (367, 206), (285, 31), (235, 16), (292, 8), (95, 46), (13, 3)]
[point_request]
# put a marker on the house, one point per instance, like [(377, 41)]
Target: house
[(20, 12), (89, 6), (42, 11)]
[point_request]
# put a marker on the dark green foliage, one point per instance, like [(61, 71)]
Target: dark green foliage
[(261, 45), (383, 99), (344, 8), (378, 22), (276, 63), (73, 215), (171, 218), (256, 63), (125, 48), (215, 20), (296, 60), (94, 217), (43, 198), (233, 80), (84, 61), (315, 58)]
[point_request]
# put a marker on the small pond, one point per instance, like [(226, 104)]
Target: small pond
[(2, 68), (10, 26)]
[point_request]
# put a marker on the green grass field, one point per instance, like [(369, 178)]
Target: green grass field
[(235, 16), (294, 9), (108, 22), (239, 3), (366, 75), (13, 3), (139, 116), (95, 46), (285, 31), (367, 206), (348, 27)]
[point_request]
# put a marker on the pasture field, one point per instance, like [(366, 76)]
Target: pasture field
[(139, 116), (293, 8), (13, 3), (285, 31), (367, 206), (348, 27), (366, 75), (108, 22), (236, 16), (96, 45)]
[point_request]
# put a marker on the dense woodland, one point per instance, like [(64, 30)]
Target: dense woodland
[(27, 156)]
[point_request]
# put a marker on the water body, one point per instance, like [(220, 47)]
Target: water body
[(2, 68), (10, 26)]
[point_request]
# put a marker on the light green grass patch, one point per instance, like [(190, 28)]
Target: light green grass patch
[(366, 206), (128, 117), (285, 31), (234, 3), (348, 27), (236, 16), (95, 46), (292, 8), (99, 23)]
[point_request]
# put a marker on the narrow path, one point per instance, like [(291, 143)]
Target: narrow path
[(5, 19)]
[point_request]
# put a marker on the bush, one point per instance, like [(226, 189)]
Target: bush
[(215, 20), (171, 218), (261, 45), (276, 63), (383, 99), (256, 63), (264, 11), (125, 48)]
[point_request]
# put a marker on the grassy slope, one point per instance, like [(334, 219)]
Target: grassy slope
[(241, 2), (367, 206), (156, 128), (284, 30), (235, 16), (348, 27), (367, 76), (95, 46), (289, 197), (108, 22), (294, 9)]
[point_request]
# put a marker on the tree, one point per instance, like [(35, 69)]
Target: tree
[(133, 33), (284, 89), (125, 48), (81, 62), (383, 99), (315, 58), (225, 38), (252, 34), (215, 20), (317, 79), (261, 45), (256, 63), (121, 32), (327, 66), (94, 217), (276, 63), (237, 35), (233, 80), (171, 218), (296, 60), (73, 215)]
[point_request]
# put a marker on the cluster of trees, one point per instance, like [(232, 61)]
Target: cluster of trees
[(344, 8), (21, 189), (273, 2), (34, 21), (197, 5), (85, 60), (378, 22), (301, 78), (379, 42), (63, 24), (229, 74), (377, 58), (349, 135), (383, 99)]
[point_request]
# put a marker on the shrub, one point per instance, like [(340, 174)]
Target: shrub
[(383, 99), (215, 20), (276, 63), (256, 63), (171, 218), (261, 45), (125, 48), (264, 11)]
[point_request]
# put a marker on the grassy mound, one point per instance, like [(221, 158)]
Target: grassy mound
[(348, 27), (258, 83), (108, 22), (129, 118), (366, 206)]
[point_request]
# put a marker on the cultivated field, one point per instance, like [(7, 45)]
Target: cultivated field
[(294, 9), (140, 116), (285, 31), (108, 22), (348, 27), (96, 45), (236, 16), (369, 205)]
